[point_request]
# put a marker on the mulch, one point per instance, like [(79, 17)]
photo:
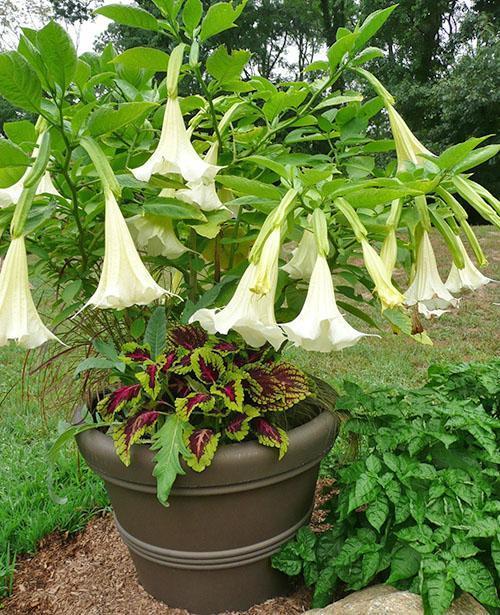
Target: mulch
[(92, 573)]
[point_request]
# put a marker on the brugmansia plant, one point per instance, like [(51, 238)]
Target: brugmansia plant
[(169, 181)]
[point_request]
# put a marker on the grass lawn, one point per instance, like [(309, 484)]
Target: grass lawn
[(27, 513)]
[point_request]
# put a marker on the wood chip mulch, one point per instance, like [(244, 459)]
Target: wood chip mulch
[(92, 574)]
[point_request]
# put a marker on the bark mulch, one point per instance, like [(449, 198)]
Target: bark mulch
[(92, 574)]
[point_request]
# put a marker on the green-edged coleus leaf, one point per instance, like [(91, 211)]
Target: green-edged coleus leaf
[(166, 361), (184, 406), (293, 382), (127, 433), (202, 444), (263, 387), (129, 395), (150, 380), (238, 427), (135, 353), (207, 365), (231, 391), (188, 336), (270, 435)]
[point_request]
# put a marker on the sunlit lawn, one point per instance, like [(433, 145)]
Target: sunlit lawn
[(26, 511)]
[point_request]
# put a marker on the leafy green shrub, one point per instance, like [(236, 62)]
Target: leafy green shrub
[(420, 508)]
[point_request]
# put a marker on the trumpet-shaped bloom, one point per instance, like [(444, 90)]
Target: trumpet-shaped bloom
[(10, 196), (251, 315), (389, 252), (389, 295), (301, 265), (175, 153), (202, 192), (124, 280), (467, 279), (267, 266), (19, 319), (156, 235), (408, 147), (427, 290), (320, 326)]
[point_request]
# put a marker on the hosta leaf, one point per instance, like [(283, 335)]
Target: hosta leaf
[(127, 433), (185, 406), (202, 444), (269, 435), (169, 443)]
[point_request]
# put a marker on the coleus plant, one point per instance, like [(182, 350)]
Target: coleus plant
[(185, 392)]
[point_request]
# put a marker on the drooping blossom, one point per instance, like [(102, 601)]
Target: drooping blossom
[(389, 295), (408, 147), (301, 265), (175, 152), (156, 236), (124, 280), (320, 326), (427, 290), (10, 196), (19, 319), (468, 278)]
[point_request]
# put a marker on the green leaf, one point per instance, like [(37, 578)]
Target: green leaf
[(191, 15), (94, 363), (108, 119), (477, 157), (12, 155), (288, 560), (70, 291), (202, 445), (437, 593), (129, 16), (372, 25), (19, 83), (338, 50), (173, 208), (225, 66), (472, 576), (405, 564), (242, 185), (168, 441), (143, 58), (20, 132), (220, 16), (368, 54), (457, 153), (377, 512), (364, 489), (371, 197), (156, 332), (58, 53)]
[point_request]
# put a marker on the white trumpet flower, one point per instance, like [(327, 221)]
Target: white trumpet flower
[(156, 236), (468, 278), (389, 252), (10, 196), (320, 326), (249, 313), (124, 280), (408, 147), (19, 319), (389, 295), (202, 192), (175, 153), (301, 265), (427, 290)]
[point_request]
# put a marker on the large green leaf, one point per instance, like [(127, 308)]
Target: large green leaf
[(129, 16), (225, 66), (12, 155), (19, 83), (58, 53), (168, 441), (472, 576), (242, 185), (146, 58), (20, 132), (108, 119), (192, 13), (372, 25), (173, 208), (457, 153), (405, 563), (220, 16), (156, 332)]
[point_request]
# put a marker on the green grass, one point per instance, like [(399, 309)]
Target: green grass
[(27, 513)]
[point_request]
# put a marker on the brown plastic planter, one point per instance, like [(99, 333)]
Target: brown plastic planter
[(209, 551)]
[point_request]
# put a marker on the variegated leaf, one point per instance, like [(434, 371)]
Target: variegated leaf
[(129, 432), (188, 336), (134, 353), (184, 406), (269, 435), (116, 401), (202, 443), (238, 428), (149, 380), (207, 365), (231, 391), (294, 384)]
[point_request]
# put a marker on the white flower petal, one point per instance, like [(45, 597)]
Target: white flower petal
[(389, 295), (156, 235), (19, 319), (301, 265), (467, 279), (124, 280)]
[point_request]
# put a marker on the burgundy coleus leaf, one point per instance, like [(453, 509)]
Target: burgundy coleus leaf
[(133, 353), (188, 336), (149, 380), (247, 357), (178, 386), (129, 432), (166, 361), (202, 443), (224, 347), (231, 391), (116, 400), (207, 365), (238, 428), (262, 385), (294, 384), (270, 435), (184, 406)]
